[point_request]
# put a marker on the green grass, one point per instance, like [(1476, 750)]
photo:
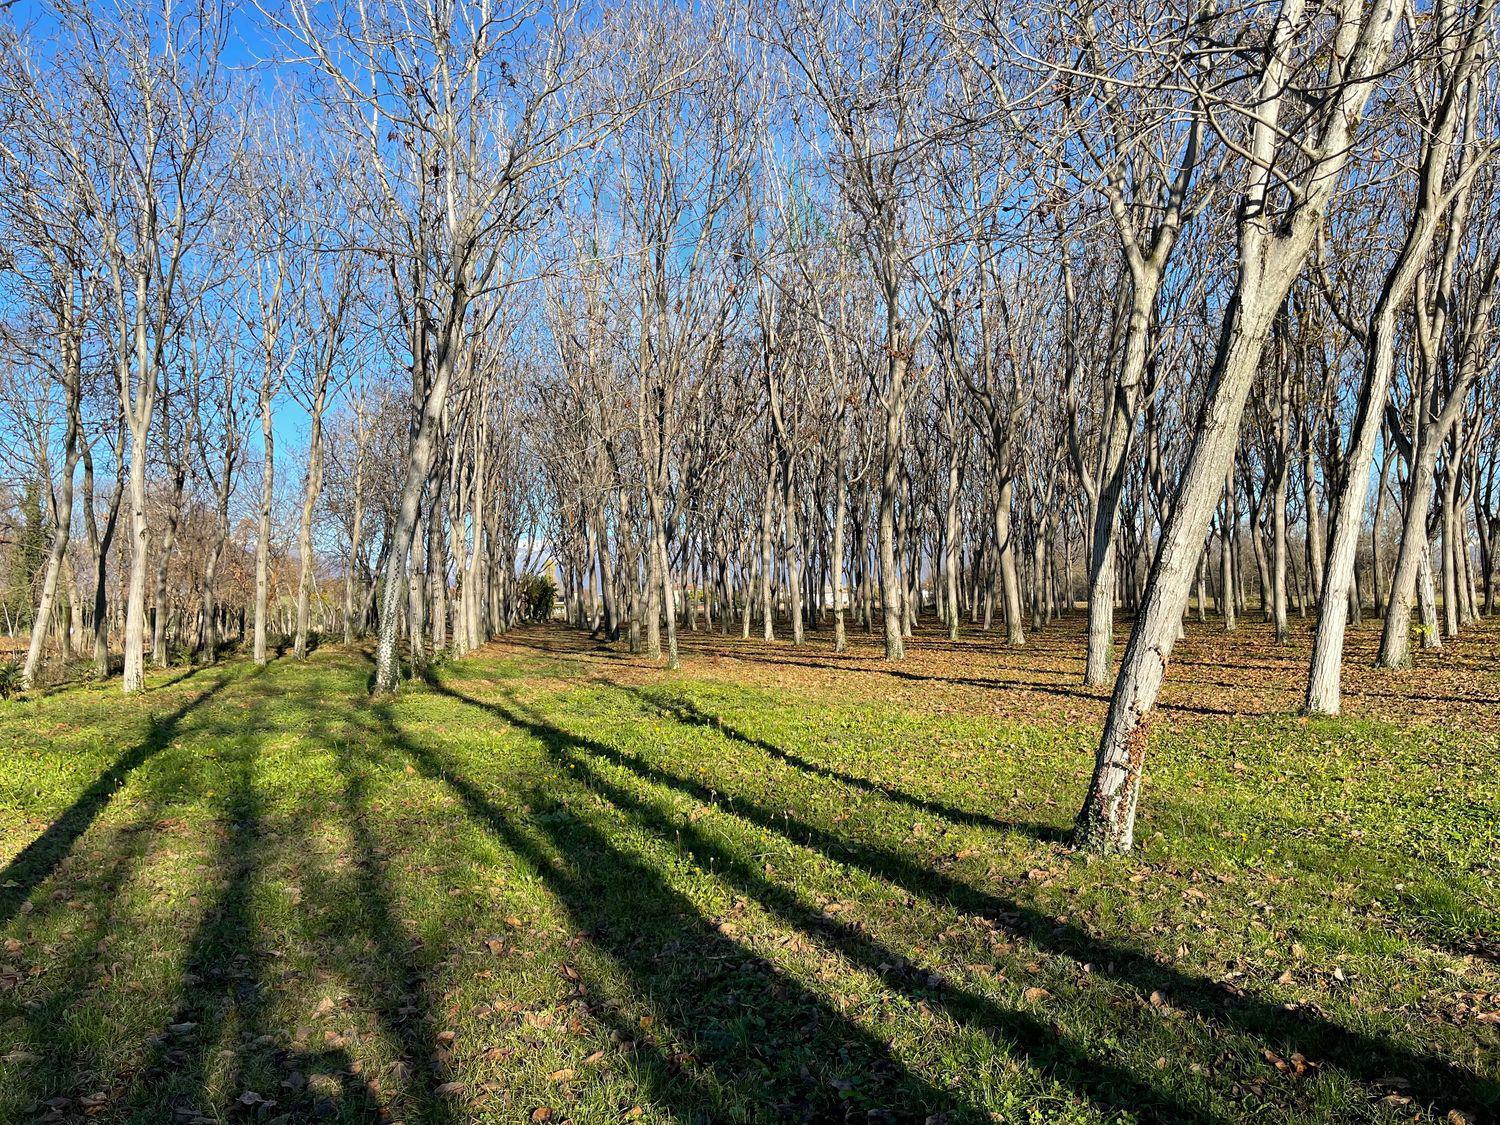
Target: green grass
[(532, 890)]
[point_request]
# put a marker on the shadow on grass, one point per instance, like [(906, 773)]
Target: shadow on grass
[(754, 1029), (1362, 1057), (223, 970), (689, 714), (1017, 1032), (64, 1055), (220, 1048), (223, 1052), (40, 858), (390, 980)]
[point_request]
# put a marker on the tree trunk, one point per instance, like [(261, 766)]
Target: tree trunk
[(1107, 820), (63, 518), (1010, 584), (314, 486), (1226, 555), (791, 534), (263, 529), (891, 599), (1278, 560), (350, 572), (767, 562), (418, 467), (135, 590), (840, 516), (664, 575), (1395, 638)]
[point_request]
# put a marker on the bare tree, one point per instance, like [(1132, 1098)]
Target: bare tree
[(1441, 190), (866, 74), (43, 213), (456, 112), (1287, 190), (150, 172)]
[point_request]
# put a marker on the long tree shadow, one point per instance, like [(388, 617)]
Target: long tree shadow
[(41, 857), (389, 979), (689, 714), (988, 683), (64, 1053), (223, 967), (754, 1027), (1107, 1085), (219, 1041), (1362, 1057), (218, 1053), (661, 1077)]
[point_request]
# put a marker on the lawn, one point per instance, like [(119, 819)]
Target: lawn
[(556, 883)]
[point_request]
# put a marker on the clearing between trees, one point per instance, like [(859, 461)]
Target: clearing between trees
[(555, 882)]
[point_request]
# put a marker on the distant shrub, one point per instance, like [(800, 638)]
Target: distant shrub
[(10, 678), (538, 595), (181, 652)]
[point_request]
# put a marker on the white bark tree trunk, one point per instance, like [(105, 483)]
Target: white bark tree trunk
[(263, 528)]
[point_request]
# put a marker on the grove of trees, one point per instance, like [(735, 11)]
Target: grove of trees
[(792, 317)]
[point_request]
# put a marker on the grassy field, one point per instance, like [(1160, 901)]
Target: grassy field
[(556, 883)]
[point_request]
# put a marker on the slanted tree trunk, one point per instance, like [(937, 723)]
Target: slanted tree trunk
[(1411, 559), (1272, 252), (1437, 414), (62, 513), (1460, 44), (1123, 409)]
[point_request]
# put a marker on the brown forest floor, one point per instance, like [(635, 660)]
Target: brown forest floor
[(1213, 672)]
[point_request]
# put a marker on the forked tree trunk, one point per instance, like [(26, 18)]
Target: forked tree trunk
[(1432, 637), (418, 467), (1395, 638), (1271, 255), (1107, 819)]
